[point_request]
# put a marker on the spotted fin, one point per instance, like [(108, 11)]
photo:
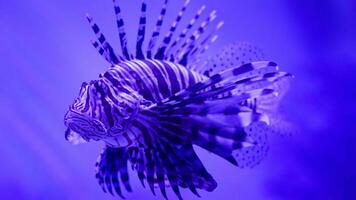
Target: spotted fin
[(231, 56), (251, 155)]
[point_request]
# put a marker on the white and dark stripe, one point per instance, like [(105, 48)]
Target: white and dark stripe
[(182, 53), (157, 29), (123, 86), (166, 51), (152, 108), (122, 33), (104, 48), (141, 31), (185, 31), (167, 39), (204, 45), (154, 79)]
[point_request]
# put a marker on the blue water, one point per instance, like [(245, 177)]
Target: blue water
[(45, 54)]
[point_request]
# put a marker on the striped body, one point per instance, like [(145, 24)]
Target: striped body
[(154, 80), (150, 80), (152, 105)]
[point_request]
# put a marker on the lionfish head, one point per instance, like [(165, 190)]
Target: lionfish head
[(100, 112)]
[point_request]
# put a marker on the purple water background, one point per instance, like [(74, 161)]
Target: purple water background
[(45, 54)]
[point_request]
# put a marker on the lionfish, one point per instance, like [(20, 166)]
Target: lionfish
[(152, 107)]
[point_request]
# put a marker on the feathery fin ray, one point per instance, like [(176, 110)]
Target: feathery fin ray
[(141, 32), (157, 29), (165, 51), (225, 110), (167, 39), (122, 34)]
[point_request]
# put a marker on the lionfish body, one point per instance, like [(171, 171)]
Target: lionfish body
[(152, 107)]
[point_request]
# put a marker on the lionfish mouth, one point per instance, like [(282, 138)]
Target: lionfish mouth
[(82, 128), (74, 138)]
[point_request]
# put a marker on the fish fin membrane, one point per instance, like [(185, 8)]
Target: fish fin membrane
[(282, 126), (257, 148), (223, 125), (235, 133), (111, 170), (232, 55), (270, 106), (183, 48), (198, 115), (163, 166)]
